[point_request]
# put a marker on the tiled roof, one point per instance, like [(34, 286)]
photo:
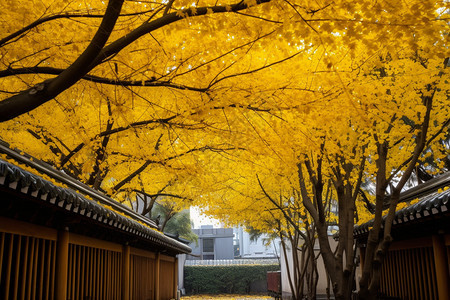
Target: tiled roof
[(14, 178), (434, 202)]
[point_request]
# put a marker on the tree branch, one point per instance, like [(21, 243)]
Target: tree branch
[(98, 79), (29, 99), (96, 53)]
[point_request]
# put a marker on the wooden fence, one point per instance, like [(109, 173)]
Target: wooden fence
[(417, 269), (42, 263)]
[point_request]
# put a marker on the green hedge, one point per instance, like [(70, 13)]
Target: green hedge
[(234, 279)]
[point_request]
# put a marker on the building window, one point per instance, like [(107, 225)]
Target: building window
[(208, 245), (206, 257)]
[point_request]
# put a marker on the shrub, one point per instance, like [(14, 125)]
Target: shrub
[(233, 279)]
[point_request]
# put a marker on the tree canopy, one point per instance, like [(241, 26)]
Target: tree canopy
[(247, 108)]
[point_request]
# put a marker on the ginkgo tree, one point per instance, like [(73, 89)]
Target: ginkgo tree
[(181, 99), (339, 148)]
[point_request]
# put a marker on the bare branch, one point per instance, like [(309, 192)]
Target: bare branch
[(97, 53), (29, 99)]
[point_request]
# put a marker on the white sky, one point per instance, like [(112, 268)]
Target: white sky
[(200, 219)]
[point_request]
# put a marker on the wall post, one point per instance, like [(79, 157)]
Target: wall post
[(157, 272), (126, 272), (62, 258), (441, 265), (175, 278)]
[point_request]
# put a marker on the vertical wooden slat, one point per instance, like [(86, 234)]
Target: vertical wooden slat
[(41, 270), (175, 277), (113, 272), (16, 270), (134, 280), (9, 266), (408, 274), (28, 262), (382, 281), (137, 276), (97, 272), (102, 253), (151, 272), (115, 276), (24, 268), (426, 273), (2, 251), (429, 277), (97, 277), (82, 263), (385, 276), (29, 273), (399, 272), (70, 272), (395, 274), (389, 275), (92, 273), (442, 267), (35, 263), (126, 273), (414, 273), (48, 268), (79, 278), (420, 279), (77, 274), (87, 273), (62, 264), (75, 271), (157, 271), (140, 282), (53, 279), (433, 273), (119, 275), (404, 273), (107, 276)]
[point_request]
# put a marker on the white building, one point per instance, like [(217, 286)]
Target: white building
[(244, 247)]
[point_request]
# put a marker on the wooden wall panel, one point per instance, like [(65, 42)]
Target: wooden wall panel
[(409, 274), (27, 267), (142, 285), (94, 273), (166, 290), (94, 268)]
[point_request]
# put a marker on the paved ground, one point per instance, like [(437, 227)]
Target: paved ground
[(225, 297)]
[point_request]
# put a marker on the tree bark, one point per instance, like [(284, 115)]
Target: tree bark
[(96, 53), (29, 99)]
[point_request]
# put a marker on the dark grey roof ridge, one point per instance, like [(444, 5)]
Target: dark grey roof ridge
[(49, 170), (425, 188), (15, 178), (431, 203)]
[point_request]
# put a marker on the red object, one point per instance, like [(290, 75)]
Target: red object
[(274, 283)]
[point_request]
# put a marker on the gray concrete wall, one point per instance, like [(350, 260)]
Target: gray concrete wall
[(223, 243)]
